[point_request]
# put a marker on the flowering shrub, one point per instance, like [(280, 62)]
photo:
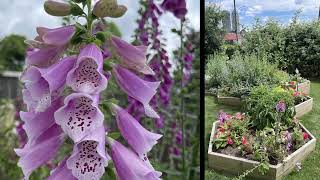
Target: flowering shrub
[(234, 136), (63, 95), (261, 106)]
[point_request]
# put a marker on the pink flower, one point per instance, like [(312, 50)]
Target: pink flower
[(238, 116), (229, 141), (305, 136), (244, 140), (296, 93)]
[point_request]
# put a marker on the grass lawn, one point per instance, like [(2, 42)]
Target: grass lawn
[(310, 167)]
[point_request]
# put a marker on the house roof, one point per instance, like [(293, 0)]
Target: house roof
[(231, 37)]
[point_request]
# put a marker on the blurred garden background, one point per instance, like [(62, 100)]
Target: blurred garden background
[(250, 45), (177, 153)]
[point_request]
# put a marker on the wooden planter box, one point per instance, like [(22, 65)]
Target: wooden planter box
[(231, 101), (235, 166), (304, 107)]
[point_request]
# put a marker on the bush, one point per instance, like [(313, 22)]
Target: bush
[(261, 106), (292, 47), (238, 75)]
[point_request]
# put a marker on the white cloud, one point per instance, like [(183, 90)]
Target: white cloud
[(252, 11)]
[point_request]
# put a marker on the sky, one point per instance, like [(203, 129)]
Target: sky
[(23, 16), (281, 10)]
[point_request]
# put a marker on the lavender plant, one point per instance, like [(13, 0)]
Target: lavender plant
[(68, 68)]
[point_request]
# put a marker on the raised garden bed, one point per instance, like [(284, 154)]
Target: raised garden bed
[(302, 87), (235, 166), (231, 101), (304, 107)]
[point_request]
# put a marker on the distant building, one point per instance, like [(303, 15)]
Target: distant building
[(226, 21), (235, 21)]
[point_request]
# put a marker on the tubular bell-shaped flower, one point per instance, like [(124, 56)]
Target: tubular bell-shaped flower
[(79, 115), (132, 57), (36, 124), (89, 157), (44, 84), (87, 76), (48, 45), (129, 165), (39, 151), (137, 88), (140, 139), (177, 7), (61, 172)]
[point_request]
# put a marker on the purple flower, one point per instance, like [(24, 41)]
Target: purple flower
[(179, 137), (44, 84), (61, 172), (79, 115), (132, 57), (281, 106), (160, 122), (129, 165), (48, 45), (89, 157), (36, 124), (137, 88), (140, 139), (177, 7), (222, 116), (21, 134), (87, 76), (40, 150)]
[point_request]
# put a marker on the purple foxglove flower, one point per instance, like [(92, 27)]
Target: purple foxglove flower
[(41, 150), (21, 134), (160, 123), (44, 83), (177, 7), (48, 45), (132, 57), (79, 115), (137, 88), (281, 107), (89, 157), (87, 76), (140, 139), (61, 172), (36, 124), (179, 137), (129, 165)]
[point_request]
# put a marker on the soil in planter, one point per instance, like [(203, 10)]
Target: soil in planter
[(297, 102)]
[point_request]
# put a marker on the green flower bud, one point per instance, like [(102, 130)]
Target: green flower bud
[(56, 8), (108, 8), (120, 11)]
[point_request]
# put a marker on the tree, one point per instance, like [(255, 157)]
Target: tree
[(12, 54), (213, 33)]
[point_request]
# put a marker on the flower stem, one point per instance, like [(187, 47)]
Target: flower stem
[(182, 110), (89, 18)]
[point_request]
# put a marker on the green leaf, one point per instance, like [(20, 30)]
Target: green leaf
[(110, 173), (114, 135)]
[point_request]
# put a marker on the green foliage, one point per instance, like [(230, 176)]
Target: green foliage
[(213, 33), (296, 46), (266, 40), (261, 106), (238, 75), (12, 54)]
